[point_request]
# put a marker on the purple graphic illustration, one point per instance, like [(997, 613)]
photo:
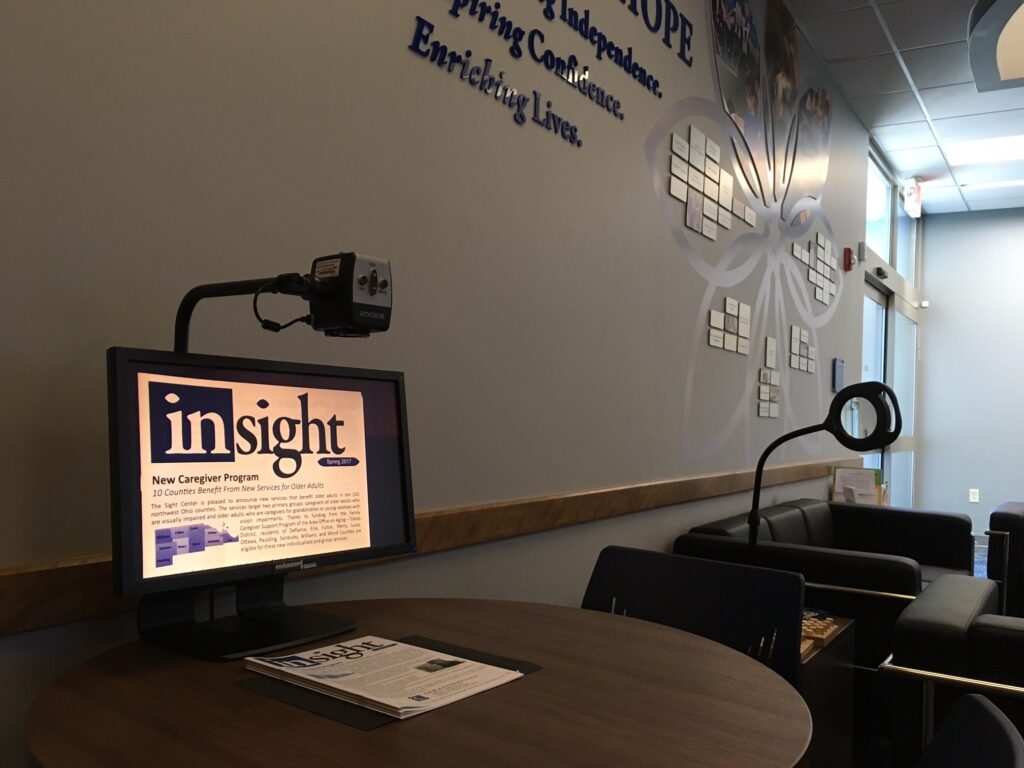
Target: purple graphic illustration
[(187, 539)]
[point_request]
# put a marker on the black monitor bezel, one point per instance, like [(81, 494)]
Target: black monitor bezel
[(122, 366)]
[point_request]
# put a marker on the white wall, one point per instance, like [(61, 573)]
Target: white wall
[(971, 367)]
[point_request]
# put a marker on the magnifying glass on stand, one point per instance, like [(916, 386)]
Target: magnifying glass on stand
[(863, 417)]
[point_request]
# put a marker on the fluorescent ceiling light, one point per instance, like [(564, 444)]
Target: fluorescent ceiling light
[(1009, 53), (995, 184), (980, 151)]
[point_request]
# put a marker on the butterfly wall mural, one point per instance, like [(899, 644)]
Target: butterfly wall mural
[(773, 118)]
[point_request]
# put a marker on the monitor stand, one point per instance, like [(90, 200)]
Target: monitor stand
[(263, 623)]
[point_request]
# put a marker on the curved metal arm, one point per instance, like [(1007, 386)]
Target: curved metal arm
[(289, 283), (211, 291), (754, 519)]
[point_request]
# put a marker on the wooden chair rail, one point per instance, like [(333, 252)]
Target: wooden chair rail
[(62, 592)]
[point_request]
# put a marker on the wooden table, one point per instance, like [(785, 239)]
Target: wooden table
[(612, 691)]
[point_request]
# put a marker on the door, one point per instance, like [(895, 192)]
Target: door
[(905, 355), (891, 354), (873, 354)]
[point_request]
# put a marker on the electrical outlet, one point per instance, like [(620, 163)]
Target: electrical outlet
[(974, 495)]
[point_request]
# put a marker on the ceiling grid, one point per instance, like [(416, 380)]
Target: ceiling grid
[(903, 67)]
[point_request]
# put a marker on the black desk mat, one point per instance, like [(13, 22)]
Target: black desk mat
[(360, 717)]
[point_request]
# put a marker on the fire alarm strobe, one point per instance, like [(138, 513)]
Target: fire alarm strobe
[(848, 259)]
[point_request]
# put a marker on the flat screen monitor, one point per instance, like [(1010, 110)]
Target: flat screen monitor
[(229, 471)]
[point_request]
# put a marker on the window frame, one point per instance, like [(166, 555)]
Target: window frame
[(877, 158)]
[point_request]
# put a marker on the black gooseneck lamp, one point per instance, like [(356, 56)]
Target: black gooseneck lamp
[(849, 415)]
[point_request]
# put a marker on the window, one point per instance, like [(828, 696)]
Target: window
[(901, 479), (904, 368), (895, 245), (889, 354), (878, 226), (890, 329), (906, 245)]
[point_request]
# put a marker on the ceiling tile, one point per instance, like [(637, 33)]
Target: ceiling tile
[(929, 184), (917, 23), (870, 76), (954, 206), (847, 35), (977, 174), (939, 65), (998, 203), (964, 99), (888, 108), (941, 194), (940, 178), (942, 200), (985, 126), (903, 136), (924, 161), (983, 195)]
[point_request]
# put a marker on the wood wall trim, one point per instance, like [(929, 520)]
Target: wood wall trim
[(463, 526), (62, 592)]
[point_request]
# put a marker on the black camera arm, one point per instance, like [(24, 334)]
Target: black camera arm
[(291, 284)]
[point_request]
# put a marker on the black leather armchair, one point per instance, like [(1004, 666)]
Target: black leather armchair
[(864, 562), (950, 640)]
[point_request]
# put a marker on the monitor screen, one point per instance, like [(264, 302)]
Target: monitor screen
[(226, 469)]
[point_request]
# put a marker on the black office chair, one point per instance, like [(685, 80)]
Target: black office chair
[(755, 610), (975, 733)]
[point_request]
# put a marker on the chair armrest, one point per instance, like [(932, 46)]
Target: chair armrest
[(931, 633), (888, 667), (996, 647), (944, 539), (838, 567)]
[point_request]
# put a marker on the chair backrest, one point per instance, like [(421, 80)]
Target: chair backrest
[(803, 521), (755, 610), (1008, 518), (975, 732)]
